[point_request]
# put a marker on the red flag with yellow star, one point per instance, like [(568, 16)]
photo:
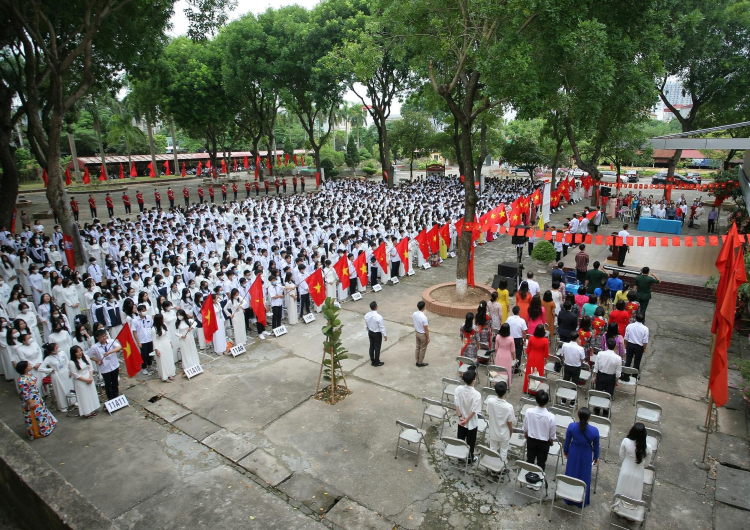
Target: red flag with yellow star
[(130, 352), (379, 254), (402, 247), (424, 246), (210, 326), (342, 269), (360, 267), (256, 300), (317, 287), (445, 233), (432, 239)]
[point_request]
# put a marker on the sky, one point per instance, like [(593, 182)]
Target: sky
[(180, 27)]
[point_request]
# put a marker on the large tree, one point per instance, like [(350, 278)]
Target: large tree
[(412, 135)]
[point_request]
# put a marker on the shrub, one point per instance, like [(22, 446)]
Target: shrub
[(327, 165), (544, 251), (364, 154)]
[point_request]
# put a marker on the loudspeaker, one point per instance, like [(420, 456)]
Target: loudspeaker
[(605, 191), (511, 283), (509, 268)]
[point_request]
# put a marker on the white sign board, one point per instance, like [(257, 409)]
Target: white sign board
[(377, 288), (308, 318), (394, 280), (411, 272), (116, 404), (278, 332), (425, 266), (452, 254), (193, 371), (237, 350), (357, 296)]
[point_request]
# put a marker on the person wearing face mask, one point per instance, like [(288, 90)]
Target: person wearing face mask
[(29, 351), (99, 310), (60, 336), (220, 335), (143, 336), (32, 323), (104, 352), (81, 369), (55, 364), (276, 295), (164, 349), (185, 327), (5, 353)]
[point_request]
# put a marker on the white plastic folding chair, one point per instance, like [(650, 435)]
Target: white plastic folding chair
[(631, 384), (569, 489), (482, 426), (487, 393), (524, 404), (488, 356), (556, 451), (585, 378), (495, 374), (517, 445), (449, 388), (649, 479), (411, 435), (604, 426), (566, 390), (491, 461), (648, 411), (434, 409), (630, 509), (543, 384), (523, 468), (563, 418), (455, 449), (549, 366), (464, 363), (598, 399), (653, 438)]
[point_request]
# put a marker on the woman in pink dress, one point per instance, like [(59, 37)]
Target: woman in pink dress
[(505, 350)]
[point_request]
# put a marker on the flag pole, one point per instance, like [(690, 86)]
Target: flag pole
[(711, 352), (708, 429)]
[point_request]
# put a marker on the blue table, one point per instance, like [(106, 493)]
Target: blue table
[(654, 224)]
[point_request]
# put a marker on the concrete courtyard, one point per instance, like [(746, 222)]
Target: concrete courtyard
[(245, 445)]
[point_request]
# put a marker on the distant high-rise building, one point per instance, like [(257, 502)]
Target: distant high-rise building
[(675, 95)]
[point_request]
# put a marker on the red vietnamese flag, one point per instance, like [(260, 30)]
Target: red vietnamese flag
[(724, 264), (286, 159), (245, 163), (516, 216), (317, 287), (208, 314), (424, 246), (278, 160), (727, 307), (302, 160), (317, 179), (294, 157), (432, 239), (68, 180), (268, 162), (86, 178), (379, 254), (130, 352), (102, 174), (44, 176), (500, 214), (445, 233), (470, 271), (256, 300), (183, 172), (200, 168), (208, 164), (151, 170), (122, 171), (360, 268), (590, 216), (537, 197), (133, 171), (402, 248), (223, 166), (165, 165), (342, 270)]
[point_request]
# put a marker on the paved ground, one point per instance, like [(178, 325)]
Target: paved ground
[(245, 446)]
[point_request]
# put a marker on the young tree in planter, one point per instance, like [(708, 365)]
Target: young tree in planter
[(544, 252), (333, 350)]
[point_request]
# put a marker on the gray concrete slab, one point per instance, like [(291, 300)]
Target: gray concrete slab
[(140, 393), (728, 517), (166, 409), (265, 466), (230, 445), (729, 450), (196, 427), (350, 514), (732, 422), (311, 492), (732, 486)]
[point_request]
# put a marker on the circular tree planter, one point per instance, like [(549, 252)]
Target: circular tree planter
[(442, 300)]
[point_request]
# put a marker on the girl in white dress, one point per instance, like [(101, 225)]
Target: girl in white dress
[(70, 296), (185, 327), (290, 299), (236, 313), (163, 348), (170, 320), (635, 454), (329, 275), (28, 316), (220, 335), (55, 363), (30, 351), (60, 336), (82, 374), (5, 353), (22, 271), (44, 312)]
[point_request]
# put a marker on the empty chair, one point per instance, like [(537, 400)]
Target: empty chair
[(411, 435), (647, 411), (434, 409), (517, 446), (569, 489), (604, 426), (653, 438), (525, 404), (495, 374), (492, 462), (649, 479), (631, 384), (449, 388), (537, 383), (556, 451), (585, 379), (565, 391), (598, 400), (563, 418), (523, 468), (455, 449), (550, 367), (630, 509), (464, 363)]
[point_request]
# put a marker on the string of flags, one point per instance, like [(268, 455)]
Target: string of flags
[(637, 241)]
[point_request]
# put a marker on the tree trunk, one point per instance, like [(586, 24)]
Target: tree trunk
[(411, 170), (556, 163), (174, 146), (151, 145), (316, 157), (457, 146), (74, 154), (9, 178), (470, 201), (482, 155)]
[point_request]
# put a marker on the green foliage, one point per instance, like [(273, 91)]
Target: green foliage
[(336, 157), (412, 135), (352, 154), (364, 154), (524, 152), (544, 251), (288, 146), (369, 168), (330, 170), (332, 346)]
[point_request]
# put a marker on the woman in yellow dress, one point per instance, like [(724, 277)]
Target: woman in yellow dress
[(503, 298)]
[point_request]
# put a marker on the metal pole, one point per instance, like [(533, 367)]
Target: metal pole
[(705, 444)]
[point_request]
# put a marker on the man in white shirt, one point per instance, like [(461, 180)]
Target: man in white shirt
[(574, 224), (623, 249), (500, 415), (104, 352), (468, 404), (572, 355), (422, 333), (376, 333), (540, 430), (607, 369), (518, 329), (636, 340), (534, 288)]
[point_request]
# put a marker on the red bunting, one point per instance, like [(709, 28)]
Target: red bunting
[(102, 174), (44, 176), (68, 180), (133, 171), (86, 178)]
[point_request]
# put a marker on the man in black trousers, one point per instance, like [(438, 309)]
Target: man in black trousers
[(376, 333)]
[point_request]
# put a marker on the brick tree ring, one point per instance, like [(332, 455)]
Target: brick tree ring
[(439, 299)]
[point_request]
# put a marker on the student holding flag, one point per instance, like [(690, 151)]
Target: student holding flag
[(257, 302)]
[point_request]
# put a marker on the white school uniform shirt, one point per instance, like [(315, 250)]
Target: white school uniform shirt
[(499, 414), (636, 333), (375, 323), (420, 321), (468, 400)]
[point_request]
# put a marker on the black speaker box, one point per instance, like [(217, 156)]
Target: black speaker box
[(605, 191), (509, 268), (511, 283)]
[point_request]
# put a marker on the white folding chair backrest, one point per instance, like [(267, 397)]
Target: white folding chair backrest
[(653, 438), (563, 417), (405, 425), (466, 360), (599, 399), (543, 383), (487, 392), (574, 489), (449, 440), (449, 386), (526, 467), (549, 365), (501, 374), (566, 385), (633, 373), (648, 411), (525, 404)]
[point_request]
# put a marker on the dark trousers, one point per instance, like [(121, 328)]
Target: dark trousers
[(304, 304), (605, 383), (633, 353), (75, 215), (284, 187), (257, 192), (374, 276), (223, 197), (200, 199), (248, 194), (352, 285), (146, 349), (395, 268), (537, 451), (261, 328), (519, 252), (248, 315), (303, 187), (111, 383), (111, 211), (235, 195), (558, 255), (623, 250), (565, 250), (711, 225), (140, 205), (643, 301), (171, 203), (295, 188), (158, 204), (596, 228), (127, 208), (276, 318), (572, 373), (376, 339), (519, 348), (470, 436), (531, 247), (581, 275), (93, 212)]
